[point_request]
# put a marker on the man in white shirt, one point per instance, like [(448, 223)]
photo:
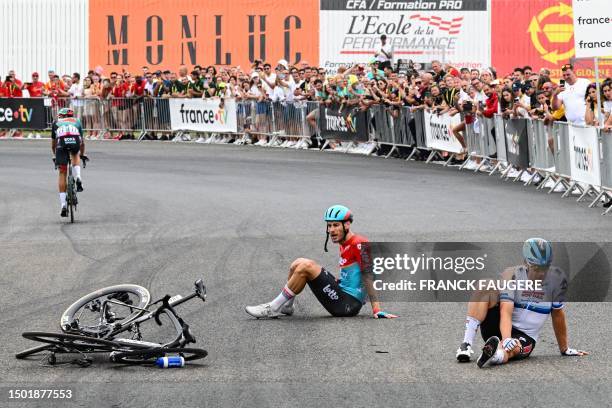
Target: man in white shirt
[(571, 95), (384, 55), (268, 79)]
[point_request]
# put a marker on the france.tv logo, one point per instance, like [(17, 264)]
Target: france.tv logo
[(22, 114)]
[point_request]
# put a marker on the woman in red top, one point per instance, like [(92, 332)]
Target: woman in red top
[(119, 106)]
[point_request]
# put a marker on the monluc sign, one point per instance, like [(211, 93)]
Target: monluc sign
[(156, 34)]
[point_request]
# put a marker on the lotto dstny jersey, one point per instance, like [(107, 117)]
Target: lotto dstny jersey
[(354, 257), (66, 127), (532, 307)]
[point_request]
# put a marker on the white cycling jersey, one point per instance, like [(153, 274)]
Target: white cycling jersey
[(532, 307)]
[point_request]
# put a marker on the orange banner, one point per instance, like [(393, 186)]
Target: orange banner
[(165, 35)]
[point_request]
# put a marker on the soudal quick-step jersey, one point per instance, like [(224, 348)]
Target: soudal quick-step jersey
[(354, 257), (532, 307)]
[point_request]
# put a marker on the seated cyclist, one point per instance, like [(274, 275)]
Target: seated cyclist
[(67, 139), (340, 297), (510, 321)]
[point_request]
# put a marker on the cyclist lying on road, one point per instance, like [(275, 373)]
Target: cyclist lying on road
[(341, 298), (516, 317)]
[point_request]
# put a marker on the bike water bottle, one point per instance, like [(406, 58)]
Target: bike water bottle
[(170, 362)]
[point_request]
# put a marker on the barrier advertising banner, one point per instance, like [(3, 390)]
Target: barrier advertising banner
[(438, 132), (540, 33), (343, 124), (203, 115), (517, 144), (584, 155), (22, 113), (456, 32), (592, 28), (165, 35)]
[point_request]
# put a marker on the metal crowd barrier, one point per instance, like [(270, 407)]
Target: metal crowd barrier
[(606, 168)]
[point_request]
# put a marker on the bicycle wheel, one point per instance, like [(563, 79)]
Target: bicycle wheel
[(70, 195), (33, 350), (85, 316), (149, 356), (68, 343)]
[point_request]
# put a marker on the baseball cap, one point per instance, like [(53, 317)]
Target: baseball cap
[(516, 86), (284, 63), (527, 87)]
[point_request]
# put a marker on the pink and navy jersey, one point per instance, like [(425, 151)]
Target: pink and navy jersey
[(354, 259)]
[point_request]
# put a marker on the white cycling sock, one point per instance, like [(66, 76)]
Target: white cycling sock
[(471, 328), (62, 199), (77, 171), (498, 357), (285, 296)]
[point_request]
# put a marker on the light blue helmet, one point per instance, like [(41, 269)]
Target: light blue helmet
[(537, 251), (338, 213)]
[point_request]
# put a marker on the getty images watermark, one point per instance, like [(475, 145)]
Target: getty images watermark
[(456, 271), (458, 265)]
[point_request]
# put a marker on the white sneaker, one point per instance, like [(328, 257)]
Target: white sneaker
[(200, 140), (513, 173), (464, 352), (525, 176), (262, 311), (550, 183), (287, 309), (470, 165), (186, 137)]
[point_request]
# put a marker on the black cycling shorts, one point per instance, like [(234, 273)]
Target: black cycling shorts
[(490, 327), (65, 146), (337, 302)]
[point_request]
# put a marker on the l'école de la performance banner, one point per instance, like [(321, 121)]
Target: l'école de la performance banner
[(455, 32), (439, 134), (22, 113), (164, 34), (517, 143), (204, 115), (584, 155), (343, 124)]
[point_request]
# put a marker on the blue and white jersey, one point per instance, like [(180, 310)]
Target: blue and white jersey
[(532, 307)]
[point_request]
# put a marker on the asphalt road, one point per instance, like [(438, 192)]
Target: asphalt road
[(163, 214)]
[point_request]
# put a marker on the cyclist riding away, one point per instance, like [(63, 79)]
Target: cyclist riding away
[(510, 321), (340, 297), (67, 139)]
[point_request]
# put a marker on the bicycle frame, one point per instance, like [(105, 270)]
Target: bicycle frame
[(183, 334)]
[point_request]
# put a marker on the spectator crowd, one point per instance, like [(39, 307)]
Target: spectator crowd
[(442, 88)]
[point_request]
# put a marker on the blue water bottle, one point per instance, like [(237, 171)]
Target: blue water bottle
[(170, 362)]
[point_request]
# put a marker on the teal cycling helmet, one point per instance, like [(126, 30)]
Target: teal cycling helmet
[(537, 251), (337, 213), (65, 113)]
